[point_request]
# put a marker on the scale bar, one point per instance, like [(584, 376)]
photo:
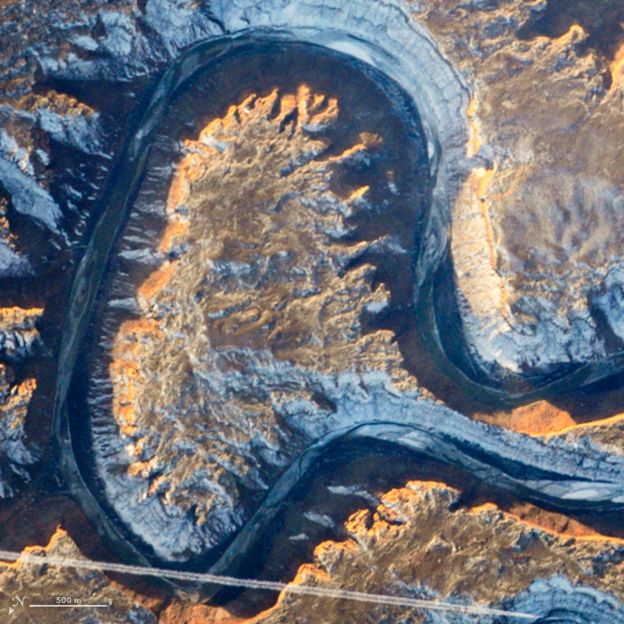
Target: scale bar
[(69, 606)]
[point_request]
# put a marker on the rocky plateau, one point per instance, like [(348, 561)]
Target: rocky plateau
[(317, 292)]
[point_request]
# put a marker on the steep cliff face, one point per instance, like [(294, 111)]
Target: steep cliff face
[(285, 238), (22, 584), (16, 457), (19, 340), (525, 300), (535, 241), (477, 556), (261, 275), (411, 544)]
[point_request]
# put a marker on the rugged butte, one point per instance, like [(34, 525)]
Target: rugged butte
[(459, 30), (546, 126), (412, 543)]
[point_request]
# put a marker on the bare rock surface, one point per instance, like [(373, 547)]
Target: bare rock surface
[(535, 243), (476, 556), (537, 289), (43, 583), (521, 106), (15, 456), (255, 303), (19, 339)]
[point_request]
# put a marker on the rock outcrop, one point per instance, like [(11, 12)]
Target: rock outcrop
[(473, 556), (534, 248), (235, 347), (19, 339), (23, 584)]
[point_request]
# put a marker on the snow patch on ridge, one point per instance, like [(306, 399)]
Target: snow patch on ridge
[(28, 197)]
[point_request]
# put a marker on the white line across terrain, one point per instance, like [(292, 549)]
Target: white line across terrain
[(230, 581)]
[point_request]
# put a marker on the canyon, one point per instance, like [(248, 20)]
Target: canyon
[(319, 292)]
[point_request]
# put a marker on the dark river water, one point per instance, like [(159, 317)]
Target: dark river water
[(379, 454)]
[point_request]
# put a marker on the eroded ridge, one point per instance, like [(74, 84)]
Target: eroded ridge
[(534, 275), (256, 302), (241, 354), (482, 554), (19, 342)]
